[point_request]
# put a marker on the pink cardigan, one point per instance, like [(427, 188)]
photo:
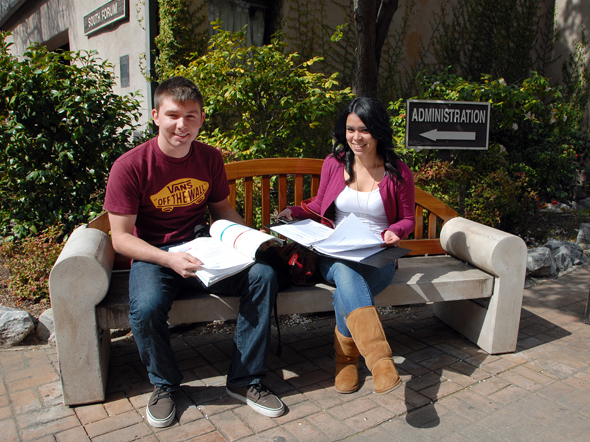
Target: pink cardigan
[(398, 197)]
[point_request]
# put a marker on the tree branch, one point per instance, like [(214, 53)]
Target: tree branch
[(385, 15)]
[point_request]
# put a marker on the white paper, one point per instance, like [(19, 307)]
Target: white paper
[(231, 248), (351, 240)]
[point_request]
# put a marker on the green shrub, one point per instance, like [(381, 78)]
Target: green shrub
[(62, 127), (29, 262), (261, 102)]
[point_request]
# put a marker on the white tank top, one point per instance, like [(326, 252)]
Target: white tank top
[(367, 206)]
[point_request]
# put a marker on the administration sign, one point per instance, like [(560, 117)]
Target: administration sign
[(447, 124)]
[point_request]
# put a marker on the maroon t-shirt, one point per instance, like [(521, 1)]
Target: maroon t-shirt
[(168, 195)]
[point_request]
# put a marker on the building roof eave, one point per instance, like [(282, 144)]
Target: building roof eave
[(8, 8)]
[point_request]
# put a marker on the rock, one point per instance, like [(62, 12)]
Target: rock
[(540, 263), (45, 328), (585, 203), (15, 325), (556, 208), (566, 254), (583, 239)]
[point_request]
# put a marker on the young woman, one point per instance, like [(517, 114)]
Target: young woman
[(364, 176)]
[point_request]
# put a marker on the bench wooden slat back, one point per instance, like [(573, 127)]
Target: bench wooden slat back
[(265, 169), (252, 173)]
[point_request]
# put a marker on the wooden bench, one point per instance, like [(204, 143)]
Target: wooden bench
[(472, 273)]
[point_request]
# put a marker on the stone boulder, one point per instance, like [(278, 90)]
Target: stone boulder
[(583, 239), (566, 254), (45, 328), (540, 263), (15, 325)]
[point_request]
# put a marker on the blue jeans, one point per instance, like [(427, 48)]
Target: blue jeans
[(153, 288), (356, 286)]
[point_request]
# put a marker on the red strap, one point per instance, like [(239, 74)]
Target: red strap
[(324, 220)]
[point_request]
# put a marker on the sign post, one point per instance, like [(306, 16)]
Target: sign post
[(433, 124)]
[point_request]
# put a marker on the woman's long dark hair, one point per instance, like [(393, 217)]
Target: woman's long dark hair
[(374, 115)]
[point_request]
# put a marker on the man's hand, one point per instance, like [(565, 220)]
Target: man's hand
[(390, 239), (183, 263)]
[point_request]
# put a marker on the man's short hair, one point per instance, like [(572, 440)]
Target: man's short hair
[(178, 89)]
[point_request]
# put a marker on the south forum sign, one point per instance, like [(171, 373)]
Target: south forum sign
[(432, 124), (105, 15)]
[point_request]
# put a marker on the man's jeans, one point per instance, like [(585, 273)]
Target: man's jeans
[(152, 289), (356, 286)]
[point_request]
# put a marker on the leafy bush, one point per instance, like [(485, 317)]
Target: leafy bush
[(29, 262), (537, 148), (261, 102), (62, 127)]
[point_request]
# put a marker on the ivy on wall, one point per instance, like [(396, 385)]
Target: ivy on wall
[(183, 32)]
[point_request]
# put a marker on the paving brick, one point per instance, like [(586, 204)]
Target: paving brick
[(368, 419), (25, 400), (256, 421), (185, 432), (48, 428), (309, 378), (489, 386), (90, 413), (8, 431), (230, 426), (5, 413), (333, 428), (113, 423), (467, 369), (441, 390), (30, 382), (298, 411), (209, 437), (469, 405), (514, 378), (324, 397), (76, 434), (421, 382), (305, 431), (394, 404), (134, 432), (44, 415), (509, 395), (349, 409), (51, 394), (274, 434), (117, 404)]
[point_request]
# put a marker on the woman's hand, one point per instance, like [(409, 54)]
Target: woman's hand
[(390, 239), (286, 213)]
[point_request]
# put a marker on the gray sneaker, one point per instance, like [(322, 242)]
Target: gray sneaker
[(161, 408), (260, 398)]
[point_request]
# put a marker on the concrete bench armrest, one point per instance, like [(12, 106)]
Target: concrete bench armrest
[(492, 250), (82, 272)]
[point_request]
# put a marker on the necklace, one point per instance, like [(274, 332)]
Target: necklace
[(356, 183)]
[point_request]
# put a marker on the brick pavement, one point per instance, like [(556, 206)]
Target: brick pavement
[(452, 392)]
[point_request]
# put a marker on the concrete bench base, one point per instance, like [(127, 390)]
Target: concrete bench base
[(482, 264)]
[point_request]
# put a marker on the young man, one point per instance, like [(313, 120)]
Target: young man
[(156, 195)]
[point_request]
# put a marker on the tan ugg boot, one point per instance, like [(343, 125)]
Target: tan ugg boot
[(347, 363), (367, 332)]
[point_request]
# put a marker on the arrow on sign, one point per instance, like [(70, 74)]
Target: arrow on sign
[(435, 135)]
